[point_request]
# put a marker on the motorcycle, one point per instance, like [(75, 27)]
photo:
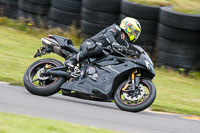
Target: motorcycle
[(125, 78)]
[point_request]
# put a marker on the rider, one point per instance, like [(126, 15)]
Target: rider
[(114, 36)]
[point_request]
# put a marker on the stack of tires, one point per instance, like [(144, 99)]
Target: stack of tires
[(35, 11), (11, 8), (64, 13), (2, 7), (148, 18), (179, 39), (99, 14)]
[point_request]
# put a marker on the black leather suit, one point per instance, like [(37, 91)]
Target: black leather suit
[(92, 47)]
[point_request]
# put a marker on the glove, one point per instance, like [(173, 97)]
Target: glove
[(120, 48), (132, 53)]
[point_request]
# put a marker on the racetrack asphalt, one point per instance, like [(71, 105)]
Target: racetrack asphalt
[(14, 99)]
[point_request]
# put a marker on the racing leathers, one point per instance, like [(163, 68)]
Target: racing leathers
[(111, 36)]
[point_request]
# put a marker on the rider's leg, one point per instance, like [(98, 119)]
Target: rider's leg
[(88, 50)]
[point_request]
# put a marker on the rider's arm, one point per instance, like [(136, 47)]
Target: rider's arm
[(111, 34)]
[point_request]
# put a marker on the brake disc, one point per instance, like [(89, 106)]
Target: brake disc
[(138, 96)]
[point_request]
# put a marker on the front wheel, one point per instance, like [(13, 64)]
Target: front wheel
[(36, 82), (137, 100)]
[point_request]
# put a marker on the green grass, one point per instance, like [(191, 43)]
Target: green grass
[(176, 93), (11, 123), (16, 54), (18, 45), (184, 6)]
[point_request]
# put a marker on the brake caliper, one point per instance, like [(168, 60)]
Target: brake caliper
[(47, 66)]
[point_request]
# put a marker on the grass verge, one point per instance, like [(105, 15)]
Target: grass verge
[(11, 123), (184, 6), (175, 93), (18, 44)]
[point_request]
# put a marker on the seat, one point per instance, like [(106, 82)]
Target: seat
[(65, 43), (62, 40)]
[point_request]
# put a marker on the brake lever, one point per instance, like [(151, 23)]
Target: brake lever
[(133, 53)]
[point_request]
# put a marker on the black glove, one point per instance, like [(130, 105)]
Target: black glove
[(132, 53), (119, 47)]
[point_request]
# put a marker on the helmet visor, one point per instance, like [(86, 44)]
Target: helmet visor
[(136, 33), (133, 34)]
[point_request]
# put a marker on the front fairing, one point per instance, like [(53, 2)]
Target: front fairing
[(143, 54), (145, 60)]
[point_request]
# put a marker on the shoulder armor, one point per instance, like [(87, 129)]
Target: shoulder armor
[(118, 28)]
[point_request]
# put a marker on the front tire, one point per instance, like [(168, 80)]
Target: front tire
[(44, 85), (138, 103)]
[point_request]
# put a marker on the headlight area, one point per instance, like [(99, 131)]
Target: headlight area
[(150, 67)]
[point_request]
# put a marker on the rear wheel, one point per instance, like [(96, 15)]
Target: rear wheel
[(36, 82), (137, 100)]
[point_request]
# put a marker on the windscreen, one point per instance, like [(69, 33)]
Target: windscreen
[(141, 51)]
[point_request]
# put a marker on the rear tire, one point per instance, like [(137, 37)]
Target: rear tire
[(136, 107), (51, 87)]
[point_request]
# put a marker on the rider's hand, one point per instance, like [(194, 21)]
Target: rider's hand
[(120, 48), (132, 53)]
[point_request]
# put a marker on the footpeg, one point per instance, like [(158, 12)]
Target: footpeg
[(76, 72)]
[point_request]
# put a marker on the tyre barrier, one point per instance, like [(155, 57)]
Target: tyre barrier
[(2, 7), (34, 7), (64, 13), (178, 41), (178, 34), (99, 17), (179, 20), (33, 11), (2, 2), (11, 9), (13, 3), (41, 2), (36, 20), (148, 18), (175, 61), (139, 11), (99, 14), (177, 54), (52, 25), (91, 28), (112, 6), (67, 5)]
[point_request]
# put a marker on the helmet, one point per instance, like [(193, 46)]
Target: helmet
[(131, 27)]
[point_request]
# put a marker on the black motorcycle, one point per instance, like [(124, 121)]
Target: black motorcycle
[(122, 77)]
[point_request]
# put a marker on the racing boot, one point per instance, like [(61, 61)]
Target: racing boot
[(77, 58), (90, 51), (72, 61)]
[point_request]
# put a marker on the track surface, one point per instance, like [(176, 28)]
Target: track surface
[(103, 115)]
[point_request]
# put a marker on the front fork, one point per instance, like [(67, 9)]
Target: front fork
[(133, 81)]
